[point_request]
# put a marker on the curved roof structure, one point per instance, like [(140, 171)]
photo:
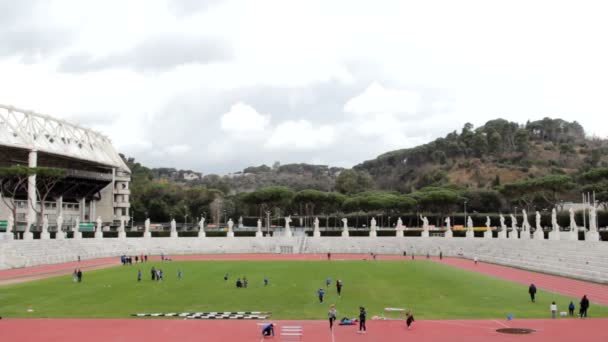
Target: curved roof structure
[(32, 131)]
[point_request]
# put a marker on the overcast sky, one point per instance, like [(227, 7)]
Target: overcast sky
[(220, 85)]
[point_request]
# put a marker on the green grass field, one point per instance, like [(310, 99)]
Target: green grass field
[(432, 290)]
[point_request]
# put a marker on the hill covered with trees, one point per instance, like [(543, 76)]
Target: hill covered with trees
[(494, 168)]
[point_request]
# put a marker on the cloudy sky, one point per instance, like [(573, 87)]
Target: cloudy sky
[(218, 85)]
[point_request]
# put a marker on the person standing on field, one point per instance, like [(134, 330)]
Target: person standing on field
[(339, 287), (321, 293), (584, 305), (553, 310), (532, 292), (362, 318)]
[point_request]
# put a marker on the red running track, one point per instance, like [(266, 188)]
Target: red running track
[(17, 275), (576, 288), (152, 330)]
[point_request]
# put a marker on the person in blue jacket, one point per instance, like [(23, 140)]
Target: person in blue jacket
[(268, 330), (321, 293)]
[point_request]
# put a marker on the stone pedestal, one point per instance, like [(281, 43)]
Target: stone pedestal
[(554, 235), (45, 236), (502, 234), (448, 234), (60, 235), (539, 234), (513, 235), (373, 234), (525, 235), (470, 234), (345, 233), (99, 235), (122, 235), (28, 236), (573, 235), (288, 233), (259, 234), (147, 235), (78, 235), (230, 234), (202, 234), (399, 233), (424, 235), (174, 234), (592, 236)]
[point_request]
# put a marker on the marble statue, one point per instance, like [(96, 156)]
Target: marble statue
[(230, 232), (513, 234), (174, 234), (258, 232), (538, 232), (525, 225), (554, 224), (122, 234), (592, 234), (345, 227), (316, 232), (147, 233), (44, 234), (399, 228), (470, 231), (287, 222), (554, 234), (98, 229), (502, 234), (240, 222), (287, 226), (425, 227), (372, 228), (592, 219), (448, 225), (425, 223), (60, 234), (573, 225), (201, 228), (488, 233)]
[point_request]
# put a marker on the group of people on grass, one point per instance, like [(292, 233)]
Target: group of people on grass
[(244, 282), (77, 275), (128, 260), (583, 305), (321, 291)]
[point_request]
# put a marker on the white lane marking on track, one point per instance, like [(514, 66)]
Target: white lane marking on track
[(501, 323)]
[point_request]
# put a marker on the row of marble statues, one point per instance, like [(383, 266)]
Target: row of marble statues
[(503, 231)]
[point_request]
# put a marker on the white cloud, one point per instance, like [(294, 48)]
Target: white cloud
[(376, 99), (300, 135), (341, 91), (242, 118)]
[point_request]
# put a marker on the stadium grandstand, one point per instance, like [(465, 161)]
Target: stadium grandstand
[(95, 183)]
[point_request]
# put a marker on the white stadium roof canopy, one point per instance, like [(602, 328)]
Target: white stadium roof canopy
[(25, 129)]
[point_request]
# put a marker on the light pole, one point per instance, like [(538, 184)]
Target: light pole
[(268, 223), (185, 218)]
